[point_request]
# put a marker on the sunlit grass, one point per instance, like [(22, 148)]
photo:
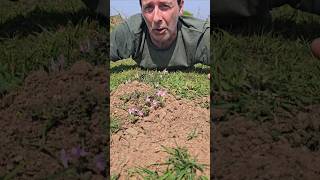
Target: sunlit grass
[(188, 84)]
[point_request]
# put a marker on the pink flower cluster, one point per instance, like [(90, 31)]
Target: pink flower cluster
[(78, 152), (161, 93), (152, 102), (136, 112), (85, 46)]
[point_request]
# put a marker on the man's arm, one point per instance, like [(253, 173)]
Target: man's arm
[(311, 6), (203, 49), (121, 42)]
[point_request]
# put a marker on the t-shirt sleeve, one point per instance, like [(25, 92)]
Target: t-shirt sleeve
[(203, 48), (311, 6), (121, 42)]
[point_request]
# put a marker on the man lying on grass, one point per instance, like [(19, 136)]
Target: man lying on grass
[(160, 37)]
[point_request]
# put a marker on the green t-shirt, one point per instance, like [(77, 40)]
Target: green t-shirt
[(192, 45)]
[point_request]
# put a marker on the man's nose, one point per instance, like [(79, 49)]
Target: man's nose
[(157, 15)]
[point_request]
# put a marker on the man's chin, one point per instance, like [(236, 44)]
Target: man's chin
[(158, 37), (160, 40)]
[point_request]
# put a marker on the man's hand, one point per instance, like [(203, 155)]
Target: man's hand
[(209, 76), (315, 47)]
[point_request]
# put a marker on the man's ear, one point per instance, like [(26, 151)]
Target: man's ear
[(181, 7)]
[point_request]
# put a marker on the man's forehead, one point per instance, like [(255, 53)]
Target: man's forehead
[(157, 1)]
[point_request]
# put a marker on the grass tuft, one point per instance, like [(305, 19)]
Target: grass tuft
[(180, 166)]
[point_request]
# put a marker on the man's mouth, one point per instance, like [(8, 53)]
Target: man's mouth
[(159, 30)]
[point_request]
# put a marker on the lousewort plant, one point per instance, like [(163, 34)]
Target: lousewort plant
[(100, 162), (136, 112), (151, 101), (161, 93), (78, 152), (78, 157), (64, 157)]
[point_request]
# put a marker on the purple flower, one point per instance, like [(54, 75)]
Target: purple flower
[(83, 49), (78, 152), (136, 112), (85, 46), (100, 162), (133, 111), (161, 93), (64, 157), (155, 104), (140, 113), (61, 61), (148, 100)]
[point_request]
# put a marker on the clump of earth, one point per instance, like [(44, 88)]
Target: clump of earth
[(171, 122), (54, 125), (283, 148)]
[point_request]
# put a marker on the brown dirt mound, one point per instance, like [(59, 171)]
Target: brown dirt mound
[(285, 148), (138, 144), (66, 110)]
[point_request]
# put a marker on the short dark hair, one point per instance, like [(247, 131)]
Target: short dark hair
[(179, 1)]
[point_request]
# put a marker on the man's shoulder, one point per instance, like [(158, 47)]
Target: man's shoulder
[(135, 23), (195, 24)]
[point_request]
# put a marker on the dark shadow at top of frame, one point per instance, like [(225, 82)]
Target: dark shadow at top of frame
[(38, 19), (292, 25)]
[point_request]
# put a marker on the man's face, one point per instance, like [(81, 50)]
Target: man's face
[(161, 17)]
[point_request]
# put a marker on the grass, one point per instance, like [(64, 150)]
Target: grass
[(193, 134), (115, 124), (115, 177), (268, 71), (180, 166), (186, 84), (51, 30)]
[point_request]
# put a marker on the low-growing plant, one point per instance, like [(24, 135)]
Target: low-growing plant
[(115, 176), (142, 103), (115, 124), (193, 134), (76, 161), (180, 166)]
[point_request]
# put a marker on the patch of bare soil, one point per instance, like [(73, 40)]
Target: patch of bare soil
[(285, 148), (53, 125), (138, 142)]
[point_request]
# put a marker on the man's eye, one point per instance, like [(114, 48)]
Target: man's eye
[(165, 7), (148, 9)]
